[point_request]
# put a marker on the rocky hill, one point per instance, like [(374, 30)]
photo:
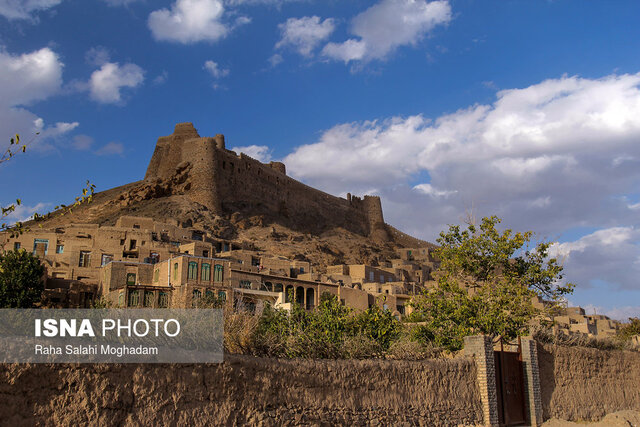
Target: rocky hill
[(248, 202)]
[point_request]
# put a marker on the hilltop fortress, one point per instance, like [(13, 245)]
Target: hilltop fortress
[(226, 182)]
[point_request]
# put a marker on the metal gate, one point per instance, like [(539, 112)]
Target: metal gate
[(510, 384)]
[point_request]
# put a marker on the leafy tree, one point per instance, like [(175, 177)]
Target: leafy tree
[(378, 325), (21, 279), (486, 283), (629, 329)]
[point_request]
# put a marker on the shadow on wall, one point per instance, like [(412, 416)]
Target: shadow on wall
[(585, 384)]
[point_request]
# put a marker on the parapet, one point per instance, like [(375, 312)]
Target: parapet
[(279, 166), (185, 131)]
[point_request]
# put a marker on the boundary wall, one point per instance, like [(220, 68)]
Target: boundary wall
[(244, 390)]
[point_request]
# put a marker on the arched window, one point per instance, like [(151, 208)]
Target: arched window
[(300, 295), (196, 295), (175, 271), (205, 275), (163, 300), (193, 270), (218, 273), (133, 299)]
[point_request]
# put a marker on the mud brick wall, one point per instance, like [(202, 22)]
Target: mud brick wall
[(586, 384), (244, 390)]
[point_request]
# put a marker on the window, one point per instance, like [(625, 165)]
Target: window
[(85, 259), (121, 299), (163, 300), (136, 225), (155, 257), (42, 242), (193, 270), (371, 276), (222, 295), (134, 299), (205, 254), (205, 275), (218, 273), (301, 269), (122, 242), (148, 299), (131, 278), (132, 244), (245, 284), (278, 288), (175, 271), (16, 246), (106, 259), (156, 275), (59, 249), (209, 293), (197, 294)]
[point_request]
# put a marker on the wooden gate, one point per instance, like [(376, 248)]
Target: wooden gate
[(510, 384)]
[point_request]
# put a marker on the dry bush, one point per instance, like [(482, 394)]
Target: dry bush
[(407, 349), (548, 336), (360, 347), (239, 331)]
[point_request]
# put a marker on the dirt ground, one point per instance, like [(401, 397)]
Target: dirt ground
[(617, 419)]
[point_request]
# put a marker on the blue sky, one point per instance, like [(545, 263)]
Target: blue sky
[(527, 110)]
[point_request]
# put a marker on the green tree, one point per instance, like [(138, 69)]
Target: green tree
[(21, 279), (486, 284), (630, 329)]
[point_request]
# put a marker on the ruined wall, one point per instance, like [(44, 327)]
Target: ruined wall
[(227, 182), (580, 383), (243, 391)]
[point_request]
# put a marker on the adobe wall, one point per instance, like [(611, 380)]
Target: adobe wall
[(580, 383), (244, 391), (227, 182)]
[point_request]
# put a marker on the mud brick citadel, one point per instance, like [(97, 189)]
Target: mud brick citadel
[(207, 221), (224, 182)]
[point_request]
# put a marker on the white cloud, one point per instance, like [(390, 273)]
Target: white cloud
[(29, 77), (24, 213), (97, 56), (119, 2), (258, 152), (189, 21), (350, 50), (388, 25), (430, 191), (304, 34), (275, 59), (106, 83), (215, 70), (276, 3), (82, 142), (24, 9), (161, 78), (111, 148), (610, 255), (24, 80), (541, 157)]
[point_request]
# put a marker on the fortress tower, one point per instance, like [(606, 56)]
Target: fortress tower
[(226, 182)]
